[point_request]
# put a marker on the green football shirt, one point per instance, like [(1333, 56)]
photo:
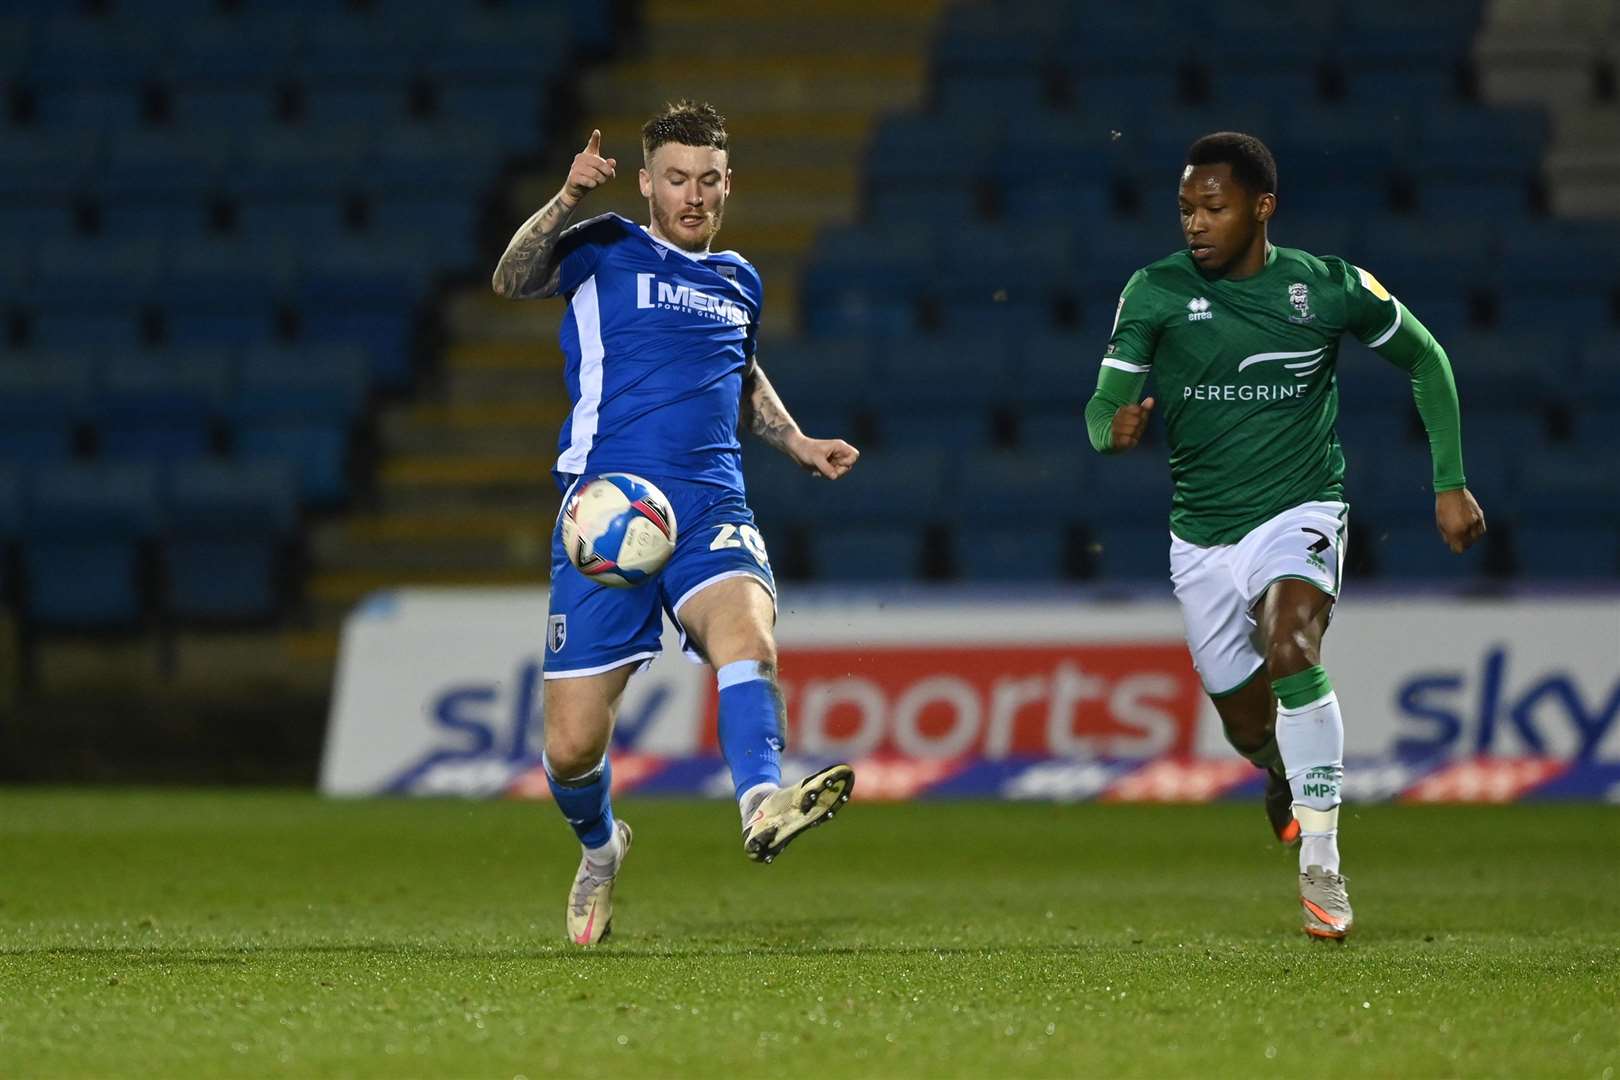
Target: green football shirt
[(1245, 376)]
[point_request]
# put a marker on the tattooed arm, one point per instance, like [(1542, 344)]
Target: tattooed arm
[(529, 267), (768, 418)]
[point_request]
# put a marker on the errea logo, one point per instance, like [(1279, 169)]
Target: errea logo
[(1198, 310)]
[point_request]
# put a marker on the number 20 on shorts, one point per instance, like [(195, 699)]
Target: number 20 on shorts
[(728, 537)]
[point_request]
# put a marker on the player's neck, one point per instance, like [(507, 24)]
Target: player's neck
[(658, 235), (1256, 259)]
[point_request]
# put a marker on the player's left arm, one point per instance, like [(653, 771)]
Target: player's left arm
[(1392, 331), (769, 419)]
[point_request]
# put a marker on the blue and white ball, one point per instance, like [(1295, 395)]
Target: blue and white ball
[(618, 529)]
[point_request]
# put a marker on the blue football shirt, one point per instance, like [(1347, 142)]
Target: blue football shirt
[(656, 340)]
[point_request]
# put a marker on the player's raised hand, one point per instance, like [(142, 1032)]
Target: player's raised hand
[(1460, 519), (589, 171), (829, 458), (1129, 423)]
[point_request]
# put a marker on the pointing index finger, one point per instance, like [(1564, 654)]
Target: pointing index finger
[(594, 146)]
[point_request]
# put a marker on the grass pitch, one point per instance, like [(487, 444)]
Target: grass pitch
[(226, 934)]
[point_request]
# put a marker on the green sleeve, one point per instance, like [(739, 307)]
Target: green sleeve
[(1413, 349), (1126, 360), (1115, 387)]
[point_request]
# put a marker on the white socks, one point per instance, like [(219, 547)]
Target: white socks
[(749, 801), (606, 857), (1311, 738)]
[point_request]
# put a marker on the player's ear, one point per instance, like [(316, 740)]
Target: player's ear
[(1264, 207), (644, 178), (727, 187)]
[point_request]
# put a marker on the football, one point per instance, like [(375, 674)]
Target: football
[(618, 529)]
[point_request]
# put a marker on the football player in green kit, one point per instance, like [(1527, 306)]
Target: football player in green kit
[(1241, 338)]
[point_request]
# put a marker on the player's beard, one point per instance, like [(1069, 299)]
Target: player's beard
[(676, 233)]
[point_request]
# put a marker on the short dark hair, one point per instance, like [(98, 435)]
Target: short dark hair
[(687, 122), (1252, 164)]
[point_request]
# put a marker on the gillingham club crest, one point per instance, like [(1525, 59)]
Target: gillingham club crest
[(1299, 297), (556, 632)]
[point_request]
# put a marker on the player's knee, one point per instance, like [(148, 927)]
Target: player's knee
[(1247, 732), (1288, 653), (574, 745)]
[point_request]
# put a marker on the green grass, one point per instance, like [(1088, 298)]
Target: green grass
[(276, 934)]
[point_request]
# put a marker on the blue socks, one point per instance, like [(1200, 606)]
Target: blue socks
[(584, 802), (750, 724)]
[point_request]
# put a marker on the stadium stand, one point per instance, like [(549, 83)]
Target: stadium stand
[(1014, 206), (247, 325)]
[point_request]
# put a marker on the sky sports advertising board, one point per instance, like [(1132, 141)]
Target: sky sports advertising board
[(439, 693)]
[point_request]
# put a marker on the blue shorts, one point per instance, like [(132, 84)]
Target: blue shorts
[(594, 628)]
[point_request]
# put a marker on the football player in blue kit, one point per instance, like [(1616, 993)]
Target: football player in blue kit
[(659, 337)]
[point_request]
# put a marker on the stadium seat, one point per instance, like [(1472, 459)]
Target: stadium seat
[(1131, 553), (1131, 489), (158, 408), (316, 450), (1008, 488), (866, 554), (906, 484), (1576, 553), (222, 549), (82, 543), (1406, 552), (1035, 553)]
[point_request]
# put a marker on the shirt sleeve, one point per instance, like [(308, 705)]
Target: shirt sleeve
[(1371, 313), (1136, 329), (1126, 362), (580, 250), (756, 287)]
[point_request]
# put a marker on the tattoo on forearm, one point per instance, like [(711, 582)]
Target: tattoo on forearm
[(526, 269), (768, 417)]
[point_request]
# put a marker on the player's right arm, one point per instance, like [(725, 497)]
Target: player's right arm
[(1114, 419), (530, 266)]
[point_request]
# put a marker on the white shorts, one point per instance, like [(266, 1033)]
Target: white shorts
[(1218, 587)]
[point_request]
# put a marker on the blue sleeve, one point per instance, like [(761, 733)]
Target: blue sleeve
[(756, 289), (580, 250)]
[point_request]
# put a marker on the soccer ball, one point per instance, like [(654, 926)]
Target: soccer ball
[(618, 529)]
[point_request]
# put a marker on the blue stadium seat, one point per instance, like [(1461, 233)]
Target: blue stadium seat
[(98, 107), (43, 164), (147, 162), (1044, 431), (237, 106), (866, 554), (1579, 553), (950, 369), (780, 493), (1525, 310), (821, 373), (76, 324), (1131, 489), (347, 104), (1416, 551), (1060, 370), (282, 163), (291, 383), (513, 106), (964, 428), (222, 549), (906, 485), (81, 548), (1596, 378), (1132, 553), (73, 267), (315, 219), (435, 160), (1041, 489), (1568, 484), (11, 508), (1034, 553), (41, 399), (244, 49), (158, 408), (316, 450)]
